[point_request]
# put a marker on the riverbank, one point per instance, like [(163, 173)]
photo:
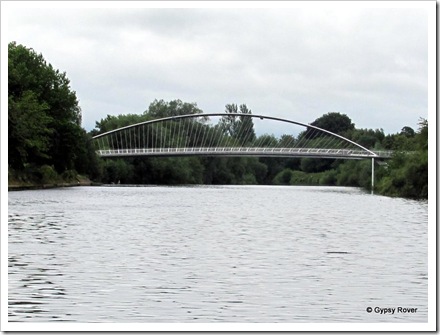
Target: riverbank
[(26, 182), (16, 187)]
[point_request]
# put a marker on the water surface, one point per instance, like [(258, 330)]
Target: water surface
[(215, 254)]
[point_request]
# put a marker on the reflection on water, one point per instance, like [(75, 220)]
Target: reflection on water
[(37, 286), (215, 254)]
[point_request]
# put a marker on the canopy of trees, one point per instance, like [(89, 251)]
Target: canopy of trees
[(291, 171), (334, 122), (44, 116), (406, 174)]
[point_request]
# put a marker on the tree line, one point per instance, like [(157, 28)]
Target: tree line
[(46, 142), (403, 175)]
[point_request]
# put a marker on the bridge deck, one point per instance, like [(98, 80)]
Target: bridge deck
[(247, 151)]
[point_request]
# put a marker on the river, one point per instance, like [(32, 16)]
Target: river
[(216, 254)]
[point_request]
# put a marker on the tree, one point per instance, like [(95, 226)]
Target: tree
[(43, 115), (247, 125), (160, 109), (28, 130), (287, 141), (266, 140), (368, 138), (334, 122), (229, 124), (422, 135), (406, 174), (408, 132), (239, 127)]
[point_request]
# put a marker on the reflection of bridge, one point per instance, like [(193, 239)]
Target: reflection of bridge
[(228, 134)]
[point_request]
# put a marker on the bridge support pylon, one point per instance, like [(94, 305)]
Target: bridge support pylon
[(372, 175)]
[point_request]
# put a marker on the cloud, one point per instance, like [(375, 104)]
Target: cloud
[(296, 63)]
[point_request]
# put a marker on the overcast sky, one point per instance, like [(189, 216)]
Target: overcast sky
[(295, 63)]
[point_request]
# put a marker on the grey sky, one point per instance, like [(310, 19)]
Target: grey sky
[(295, 63)]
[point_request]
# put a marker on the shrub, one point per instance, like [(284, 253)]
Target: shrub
[(47, 174)]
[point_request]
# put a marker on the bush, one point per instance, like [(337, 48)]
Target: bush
[(406, 176), (47, 174), (299, 178), (249, 179), (69, 175), (283, 177), (328, 178)]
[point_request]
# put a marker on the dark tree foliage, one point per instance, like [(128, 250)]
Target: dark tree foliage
[(408, 132), (368, 138), (112, 122), (406, 174), (247, 124), (160, 109), (28, 131), (43, 112), (43, 116), (334, 122)]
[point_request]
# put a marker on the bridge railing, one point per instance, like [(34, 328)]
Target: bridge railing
[(299, 152)]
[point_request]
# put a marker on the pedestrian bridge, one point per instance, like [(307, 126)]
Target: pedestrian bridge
[(228, 134)]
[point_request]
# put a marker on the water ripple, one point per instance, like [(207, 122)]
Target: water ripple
[(208, 254)]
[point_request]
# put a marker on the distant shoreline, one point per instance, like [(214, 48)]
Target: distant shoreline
[(50, 186)]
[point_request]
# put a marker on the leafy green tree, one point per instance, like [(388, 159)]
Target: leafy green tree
[(368, 138), (229, 124), (283, 177), (335, 122), (217, 171), (399, 142), (328, 178), (239, 127), (257, 169), (111, 122), (160, 109), (28, 130), (43, 114), (406, 174), (274, 166), (313, 165), (287, 141), (117, 171), (86, 160), (408, 132), (247, 126), (422, 134), (266, 140)]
